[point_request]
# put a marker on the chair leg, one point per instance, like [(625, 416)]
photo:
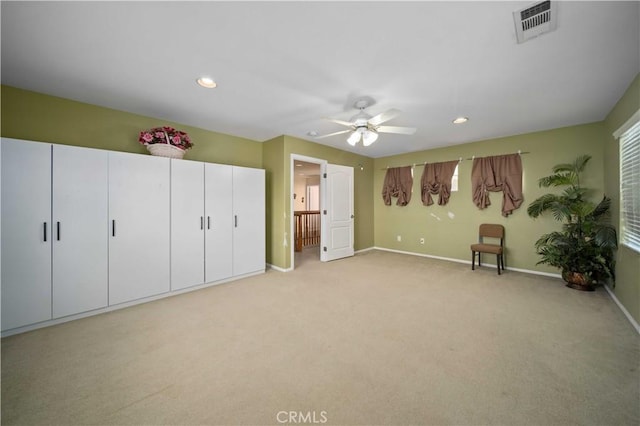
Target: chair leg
[(498, 263), (473, 260), (479, 258)]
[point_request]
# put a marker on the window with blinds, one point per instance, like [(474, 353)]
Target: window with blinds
[(630, 186)]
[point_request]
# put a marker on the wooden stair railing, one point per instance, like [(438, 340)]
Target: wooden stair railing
[(307, 229)]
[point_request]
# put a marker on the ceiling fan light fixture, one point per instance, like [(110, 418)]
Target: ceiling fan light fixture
[(354, 138), (369, 137)]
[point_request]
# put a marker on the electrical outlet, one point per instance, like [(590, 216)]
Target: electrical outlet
[(421, 240), (399, 237)]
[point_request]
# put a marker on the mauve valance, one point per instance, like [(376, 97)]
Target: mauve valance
[(397, 183), (497, 173), (436, 179)]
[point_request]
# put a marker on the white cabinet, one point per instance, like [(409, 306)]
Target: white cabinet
[(139, 213), (79, 229), (248, 220), (229, 239), (86, 229), (187, 224), (219, 221), (26, 233)]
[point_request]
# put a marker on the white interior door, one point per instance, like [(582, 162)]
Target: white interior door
[(26, 233), (187, 223), (80, 229), (313, 197), (337, 215)]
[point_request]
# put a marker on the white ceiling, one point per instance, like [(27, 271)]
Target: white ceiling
[(282, 66)]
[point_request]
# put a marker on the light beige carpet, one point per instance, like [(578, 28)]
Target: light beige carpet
[(381, 338)]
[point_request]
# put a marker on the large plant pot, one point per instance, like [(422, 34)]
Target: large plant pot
[(577, 281)]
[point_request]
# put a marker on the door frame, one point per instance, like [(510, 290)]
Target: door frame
[(323, 166)]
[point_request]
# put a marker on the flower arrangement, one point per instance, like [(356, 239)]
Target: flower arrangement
[(166, 135)]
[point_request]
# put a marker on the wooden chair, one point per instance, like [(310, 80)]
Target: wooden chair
[(490, 231)]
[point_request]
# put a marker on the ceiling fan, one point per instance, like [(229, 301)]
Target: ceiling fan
[(365, 128)]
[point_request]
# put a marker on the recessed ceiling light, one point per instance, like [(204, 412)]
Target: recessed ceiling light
[(460, 120), (312, 133), (206, 82)]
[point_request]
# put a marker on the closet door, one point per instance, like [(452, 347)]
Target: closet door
[(139, 208), (248, 220), (26, 232), (187, 224), (80, 229), (218, 222)]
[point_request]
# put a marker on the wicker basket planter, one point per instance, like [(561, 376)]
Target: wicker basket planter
[(165, 150)]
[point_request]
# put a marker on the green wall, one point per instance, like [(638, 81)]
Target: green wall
[(38, 117), (449, 230), (277, 162), (627, 288), (274, 165)]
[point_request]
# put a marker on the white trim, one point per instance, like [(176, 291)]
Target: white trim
[(279, 269), (627, 124), (119, 306), (364, 250), (450, 259), (289, 242), (626, 313)]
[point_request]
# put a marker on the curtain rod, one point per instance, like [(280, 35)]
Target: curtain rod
[(459, 160), (419, 164), (519, 153)]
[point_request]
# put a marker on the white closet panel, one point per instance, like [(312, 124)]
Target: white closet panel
[(249, 220), (187, 223), (26, 233), (80, 229), (219, 221), (139, 213)]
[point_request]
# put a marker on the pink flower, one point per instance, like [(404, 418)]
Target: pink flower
[(165, 135)]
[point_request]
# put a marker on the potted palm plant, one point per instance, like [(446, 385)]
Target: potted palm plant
[(584, 248)]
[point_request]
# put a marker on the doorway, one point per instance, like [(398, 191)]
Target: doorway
[(334, 232), (305, 210)]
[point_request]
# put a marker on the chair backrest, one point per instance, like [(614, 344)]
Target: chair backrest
[(492, 231)]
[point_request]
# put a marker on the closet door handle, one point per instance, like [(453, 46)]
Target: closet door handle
[(201, 222), (58, 230), (235, 219), (113, 228), (208, 222), (45, 232)]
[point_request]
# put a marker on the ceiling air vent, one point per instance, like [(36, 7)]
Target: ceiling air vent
[(534, 20)]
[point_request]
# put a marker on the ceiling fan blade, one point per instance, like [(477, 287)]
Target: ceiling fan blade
[(341, 122), (384, 116), (332, 134), (396, 129)]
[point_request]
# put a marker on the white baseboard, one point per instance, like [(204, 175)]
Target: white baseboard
[(626, 313), (279, 269), (364, 250), (450, 259)]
